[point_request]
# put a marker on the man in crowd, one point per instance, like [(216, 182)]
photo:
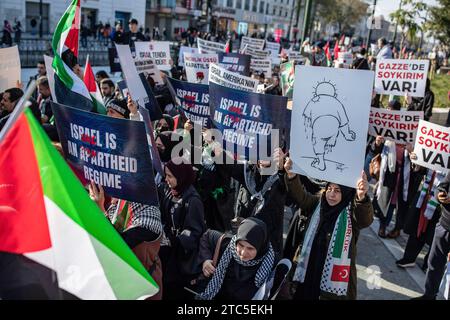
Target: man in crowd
[(9, 100), (44, 99), (108, 90)]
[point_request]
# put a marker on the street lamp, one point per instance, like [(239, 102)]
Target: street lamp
[(371, 25)]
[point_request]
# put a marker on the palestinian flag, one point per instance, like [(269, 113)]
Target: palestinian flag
[(69, 87), (48, 219), (94, 91), (328, 53)]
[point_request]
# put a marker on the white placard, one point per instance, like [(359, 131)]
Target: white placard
[(330, 119), (432, 146), (230, 79), (159, 51), (148, 67), (197, 66), (255, 53), (205, 46), (253, 43), (296, 57), (134, 84), (183, 50), (345, 58), (262, 65), (399, 126), (273, 48), (398, 77), (9, 68)]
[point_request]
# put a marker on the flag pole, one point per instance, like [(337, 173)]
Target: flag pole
[(18, 110)]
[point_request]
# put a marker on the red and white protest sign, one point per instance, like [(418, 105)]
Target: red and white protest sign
[(399, 126), (432, 146), (398, 77)]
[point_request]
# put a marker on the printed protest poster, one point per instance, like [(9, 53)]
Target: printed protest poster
[(235, 62), (273, 48), (148, 67), (205, 46), (197, 66), (399, 126), (398, 77), (139, 88), (432, 146), (230, 79), (183, 50), (9, 68), (255, 53), (159, 51), (252, 43), (346, 58), (194, 100), (262, 65), (287, 77), (296, 57), (246, 120), (330, 119), (108, 151)]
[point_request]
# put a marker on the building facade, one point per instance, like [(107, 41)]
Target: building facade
[(92, 12)]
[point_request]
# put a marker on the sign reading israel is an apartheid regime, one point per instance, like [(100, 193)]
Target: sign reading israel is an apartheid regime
[(230, 79), (197, 66), (398, 77), (108, 151), (432, 146), (205, 46), (399, 126), (159, 51), (252, 43), (194, 100), (235, 62), (330, 119), (246, 119), (262, 65)]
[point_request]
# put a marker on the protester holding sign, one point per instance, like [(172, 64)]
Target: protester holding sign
[(326, 263), (183, 220)]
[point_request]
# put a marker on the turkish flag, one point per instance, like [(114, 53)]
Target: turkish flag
[(340, 273)]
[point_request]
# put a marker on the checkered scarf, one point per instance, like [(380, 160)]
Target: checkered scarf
[(216, 281)]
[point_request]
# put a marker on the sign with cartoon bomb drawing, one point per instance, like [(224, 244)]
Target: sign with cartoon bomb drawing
[(329, 123)]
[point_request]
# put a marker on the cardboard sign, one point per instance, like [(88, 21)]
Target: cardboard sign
[(399, 126), (230, 79), (330, 119), (432, 146), (273, 48), (197, 66), (183, 50), (296, 57), (235, 62), (148, 67), (398, 77), (159, 51), (9, 68), (262, 65), (205, 46), (111, 152), (255, 53), (252, 43), (345, 58)]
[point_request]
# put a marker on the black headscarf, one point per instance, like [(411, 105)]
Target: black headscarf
[(254, 231), (347, 196), (169, 139)]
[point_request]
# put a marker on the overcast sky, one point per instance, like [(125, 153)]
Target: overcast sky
[(385, 7)]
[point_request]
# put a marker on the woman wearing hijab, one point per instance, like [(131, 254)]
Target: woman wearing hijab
[(326, 267), (183, 223), (165, 142), (244, 264), (166, 123)]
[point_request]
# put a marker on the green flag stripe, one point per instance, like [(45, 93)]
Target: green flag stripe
[(340, 235), (62, 187)]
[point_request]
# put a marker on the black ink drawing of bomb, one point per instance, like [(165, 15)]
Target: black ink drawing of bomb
[(325, 119)]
